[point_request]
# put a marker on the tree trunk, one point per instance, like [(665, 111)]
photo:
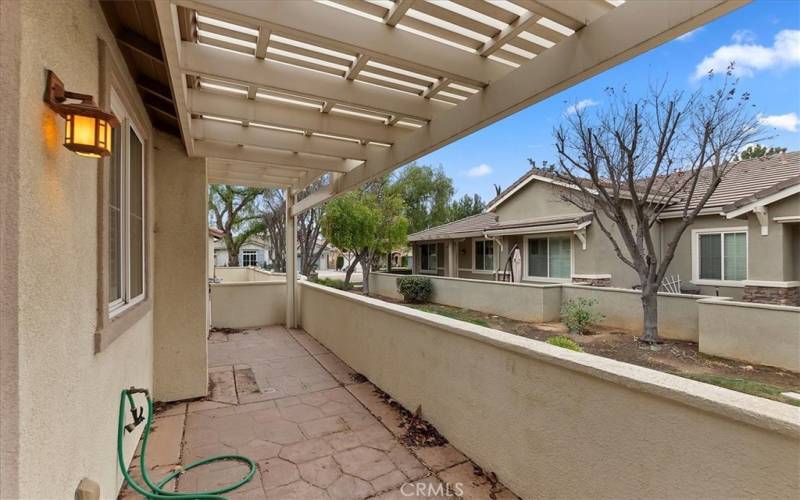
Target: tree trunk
[(650, 308), (366, 266), (352, 267), (233, 258)]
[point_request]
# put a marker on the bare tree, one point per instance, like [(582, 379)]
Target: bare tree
[(308, 230), (274, 220), (637, 158)]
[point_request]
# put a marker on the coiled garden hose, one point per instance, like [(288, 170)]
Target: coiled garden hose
[(156, 490)]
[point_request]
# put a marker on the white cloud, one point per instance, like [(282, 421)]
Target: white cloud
[(580, 106), (690, 34), (789, 121), (743, 36), (479, 171), (749, 58)]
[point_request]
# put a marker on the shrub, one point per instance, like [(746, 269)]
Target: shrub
[(415, 289), (566, 343), (333, 283), (579, 314)]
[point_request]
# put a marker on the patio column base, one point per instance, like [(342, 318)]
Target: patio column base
[(783, 293)]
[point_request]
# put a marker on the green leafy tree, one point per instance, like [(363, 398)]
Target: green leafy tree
[(757, 151), (465, 206), (366, 223), (234, 211), (426, 192)]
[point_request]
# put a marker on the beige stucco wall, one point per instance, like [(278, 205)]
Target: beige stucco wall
[(557, 424), (536, 199), (622, 308), (180, 261), (756, 333), (68, 395), (771, 257), (246, 304), (520, 301)]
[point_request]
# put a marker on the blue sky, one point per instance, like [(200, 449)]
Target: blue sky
[(763, 37)]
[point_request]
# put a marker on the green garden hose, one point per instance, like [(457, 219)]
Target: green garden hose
[(156, 490)]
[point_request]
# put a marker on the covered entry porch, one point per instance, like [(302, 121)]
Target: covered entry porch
[(285, 94)]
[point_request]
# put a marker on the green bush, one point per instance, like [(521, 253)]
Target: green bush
[(579, 314), (566, 343), (333, 283), (415, 289)]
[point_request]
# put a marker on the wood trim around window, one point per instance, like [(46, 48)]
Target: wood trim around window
[(114, 75)]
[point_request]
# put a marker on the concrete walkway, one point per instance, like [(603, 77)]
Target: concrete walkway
[(316, 430)]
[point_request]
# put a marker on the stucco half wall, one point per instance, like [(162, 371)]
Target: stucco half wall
[(557, 424), (520, 301), (757, 333), (248, 304)]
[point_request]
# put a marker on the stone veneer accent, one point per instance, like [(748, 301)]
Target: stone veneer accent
[(601, 282), (784, 296)]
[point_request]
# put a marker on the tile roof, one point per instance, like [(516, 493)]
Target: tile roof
[(750, 177), (474, 224)]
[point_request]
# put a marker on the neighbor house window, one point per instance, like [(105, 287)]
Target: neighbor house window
[(721, 255), (126, 209), (427, 257), (549, 257), (484, 255), (249, 258)]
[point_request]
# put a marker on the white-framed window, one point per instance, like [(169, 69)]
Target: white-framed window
[(249, 258), (126, 212), (428, 258), (482, 255), (719, 256), (548, 258)]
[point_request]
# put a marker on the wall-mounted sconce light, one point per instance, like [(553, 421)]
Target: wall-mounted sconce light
[(87, 128)]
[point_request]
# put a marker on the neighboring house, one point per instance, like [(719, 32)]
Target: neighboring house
[(745, 244), (254, 252), (214, 235)]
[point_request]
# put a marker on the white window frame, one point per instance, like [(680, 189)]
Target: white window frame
[(475, 257), (696, 255), (435, 269), (541, 279), (252, 252), (125, 302)]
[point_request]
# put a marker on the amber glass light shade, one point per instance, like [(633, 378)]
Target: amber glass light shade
[(87, 135)]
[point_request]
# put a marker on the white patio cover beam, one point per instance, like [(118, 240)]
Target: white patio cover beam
[(623, 33), (239, 108), (273, 157), (216, 63), (335, 29), (216, 131)]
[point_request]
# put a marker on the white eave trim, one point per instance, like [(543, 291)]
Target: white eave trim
[(786, 219), (552, 228), (531, 177), (762, 202)]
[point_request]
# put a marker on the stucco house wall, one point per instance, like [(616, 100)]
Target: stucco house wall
[(67, 395)]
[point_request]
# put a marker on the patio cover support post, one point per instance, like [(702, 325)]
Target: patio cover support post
[(452, 258), (291, 261)]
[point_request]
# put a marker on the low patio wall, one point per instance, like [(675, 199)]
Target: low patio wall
[(242, 274), (622, 308), (757, 333), (246, 304), (552, 423), (519, 301)]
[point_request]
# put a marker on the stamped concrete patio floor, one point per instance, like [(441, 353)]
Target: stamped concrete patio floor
[(315, 429)]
